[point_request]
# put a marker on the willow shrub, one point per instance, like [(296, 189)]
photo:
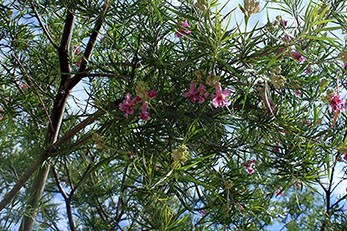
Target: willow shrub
[(172, 115)]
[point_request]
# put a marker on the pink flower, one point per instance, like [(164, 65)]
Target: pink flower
[(249, 165), (250, 170), (298, 93), (77, 50), (127, 105), (24, 86), (152, 94), (336, 103), (276, 149), (278, 192), (137, 99), (298, 56), (287, 38), (345, 156), (78, 63), (280, 52), (198, 96), (298, 184), (191, 93), (181, 31), (202, 212), (308, 70), (144, 115), (185, 24), (131, 155), (283, 23), (220, 99)]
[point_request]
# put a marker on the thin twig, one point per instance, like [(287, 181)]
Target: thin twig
[(57, 180), (45, 31), (67, 200), (84, 175), (33, 83)]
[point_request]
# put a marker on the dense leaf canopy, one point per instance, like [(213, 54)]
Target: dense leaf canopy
[(172, 115)]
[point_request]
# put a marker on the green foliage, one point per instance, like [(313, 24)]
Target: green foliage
[(271, 156)]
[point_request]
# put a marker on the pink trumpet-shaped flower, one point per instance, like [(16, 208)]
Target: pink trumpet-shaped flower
[(308, 70), (144, 115), (181, 31), (185, 24), (127, 105), (283, 23), (221, 97), (77, 50), (336, 103), (152, 94), (287, 38), (298, 56), (196, 96), (249, 165)]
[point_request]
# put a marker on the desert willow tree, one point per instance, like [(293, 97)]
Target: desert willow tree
[(160, 115)]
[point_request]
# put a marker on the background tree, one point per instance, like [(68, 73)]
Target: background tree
[(160, 115)]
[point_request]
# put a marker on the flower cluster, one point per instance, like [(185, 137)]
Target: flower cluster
[(183, 31), (196, 96), (250, 7), (294, 54), (202, 5), (336, 103), (143, 95), (276, 79), (249, 165), (219, 99), (286, 50), (281, 22), (179, 155), (298, 56)]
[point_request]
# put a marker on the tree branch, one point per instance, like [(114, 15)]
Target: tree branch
[(57, 181), (79, 127), (67, 200), (56, 118), (90, 46), (21, 182), (51, 152), (120, 202)]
